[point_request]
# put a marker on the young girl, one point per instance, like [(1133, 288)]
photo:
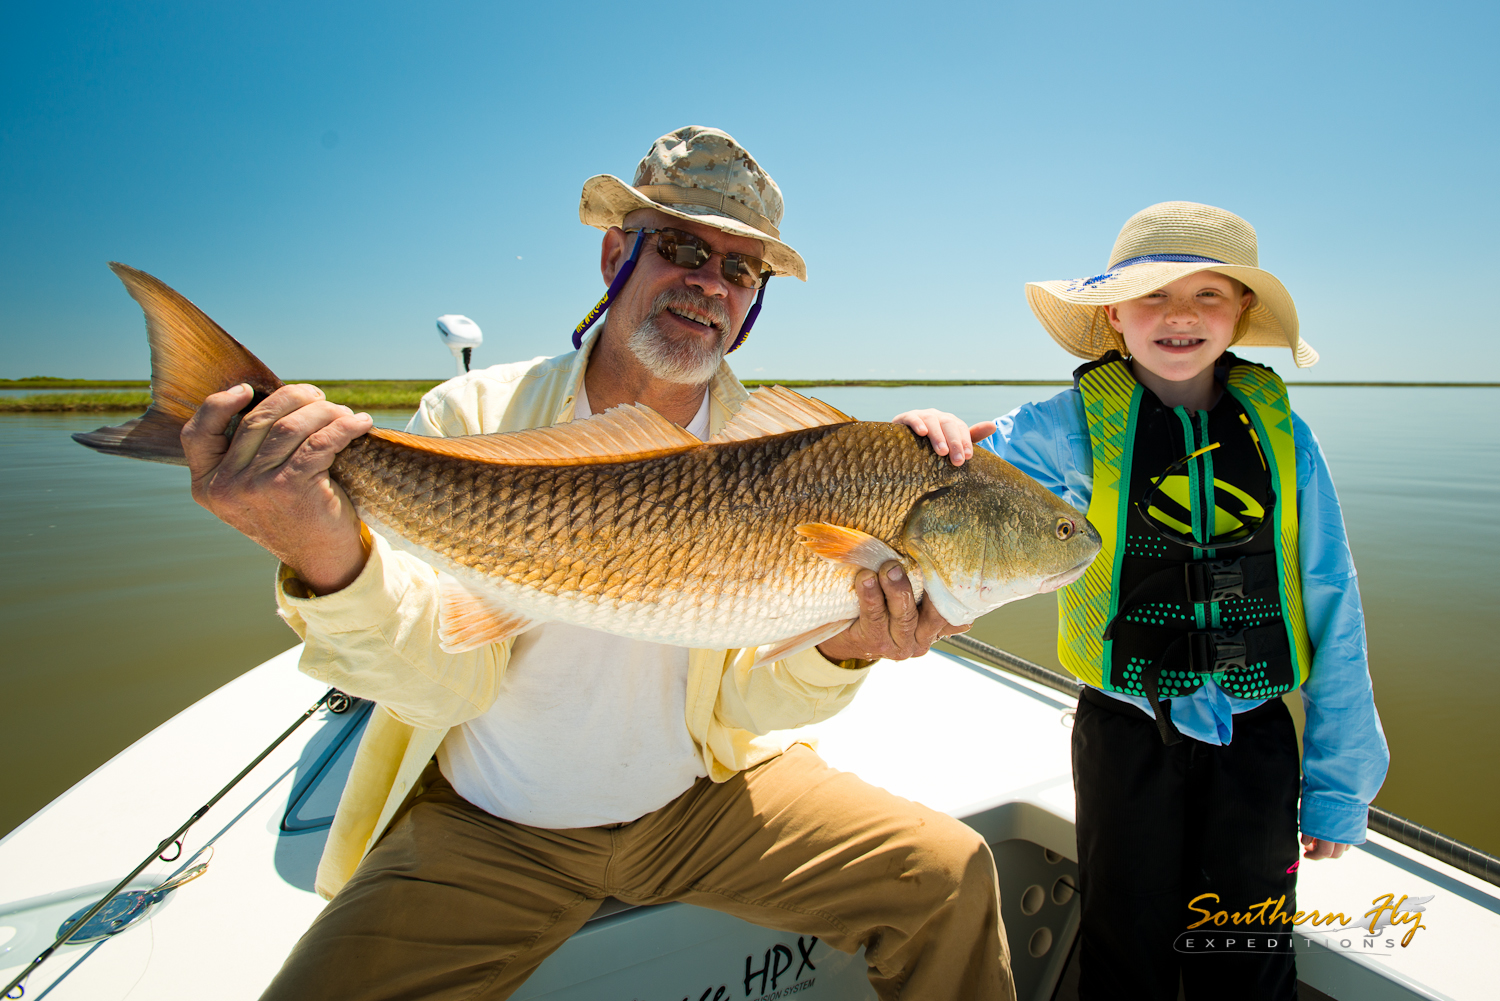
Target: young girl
[(1225, 582)]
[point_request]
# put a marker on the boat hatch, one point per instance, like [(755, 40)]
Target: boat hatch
[(323, 769), (676, 950)]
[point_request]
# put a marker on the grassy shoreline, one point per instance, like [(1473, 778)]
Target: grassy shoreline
[(123, 395), (47, 382), (370, 394)]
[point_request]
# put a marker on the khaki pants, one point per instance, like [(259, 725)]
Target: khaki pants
[(455, 903)]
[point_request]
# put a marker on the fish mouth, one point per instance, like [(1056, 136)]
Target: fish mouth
[(1065, 578)]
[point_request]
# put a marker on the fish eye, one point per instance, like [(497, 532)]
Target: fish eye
[(1065, 529)]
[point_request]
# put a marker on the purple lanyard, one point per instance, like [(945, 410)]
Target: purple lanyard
[(626, 270), (749, 320)]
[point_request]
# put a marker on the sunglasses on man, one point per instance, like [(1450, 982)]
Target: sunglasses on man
[(692, 252)]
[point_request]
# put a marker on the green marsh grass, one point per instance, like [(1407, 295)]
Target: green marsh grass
[(373, 394), (122, 395), (57, 403)]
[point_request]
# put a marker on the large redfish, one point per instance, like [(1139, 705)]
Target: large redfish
[(625, 522)]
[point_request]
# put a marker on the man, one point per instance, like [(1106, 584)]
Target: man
[(571, 765)]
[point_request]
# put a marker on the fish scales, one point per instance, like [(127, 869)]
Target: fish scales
[(694, 548)]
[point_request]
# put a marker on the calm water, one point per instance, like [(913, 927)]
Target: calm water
[(123, 602)]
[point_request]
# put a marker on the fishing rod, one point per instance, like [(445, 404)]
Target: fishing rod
[(993, 656), (335, 700), (1474, 861)]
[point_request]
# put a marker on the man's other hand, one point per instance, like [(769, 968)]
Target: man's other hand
[(270, 481), (891, 624), (1317, 848), (949, 435)]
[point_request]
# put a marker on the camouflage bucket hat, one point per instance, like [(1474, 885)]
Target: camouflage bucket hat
[(1157, 246), (700, 175)]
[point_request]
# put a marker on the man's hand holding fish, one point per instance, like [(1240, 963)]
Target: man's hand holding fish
[(589, 592), (271, 479)]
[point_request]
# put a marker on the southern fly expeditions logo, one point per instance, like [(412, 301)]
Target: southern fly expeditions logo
[(1266, 928)]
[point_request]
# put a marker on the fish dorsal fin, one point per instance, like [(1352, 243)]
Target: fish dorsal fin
[(776, 410), (620, 434)]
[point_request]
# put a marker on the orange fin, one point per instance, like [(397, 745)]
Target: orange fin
[(837, 544), (469, 621), (800, 642), (191, 357), (620, 434), (776, 410)]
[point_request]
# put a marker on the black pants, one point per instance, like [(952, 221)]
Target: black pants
[(1158, 826)]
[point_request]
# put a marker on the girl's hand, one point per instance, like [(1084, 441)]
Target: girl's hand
[(949, 435), (1317, 848)]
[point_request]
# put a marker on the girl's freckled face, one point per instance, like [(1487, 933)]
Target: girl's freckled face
[(1182, 328)]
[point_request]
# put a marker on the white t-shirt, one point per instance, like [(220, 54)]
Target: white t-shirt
[(588, 728)]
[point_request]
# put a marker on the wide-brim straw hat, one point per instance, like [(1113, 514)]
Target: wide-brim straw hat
[(699, 175), (1157, 246)]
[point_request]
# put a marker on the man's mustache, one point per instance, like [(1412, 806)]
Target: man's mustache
[(694, 302)]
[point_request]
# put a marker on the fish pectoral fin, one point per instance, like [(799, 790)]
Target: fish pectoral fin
[(776, 410), (838, 544), (620, 434), (468, 621), (800, 642)]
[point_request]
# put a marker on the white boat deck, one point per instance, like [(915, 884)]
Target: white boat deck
[(989, 748)]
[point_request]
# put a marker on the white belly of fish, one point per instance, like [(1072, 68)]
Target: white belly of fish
[(766, 612)]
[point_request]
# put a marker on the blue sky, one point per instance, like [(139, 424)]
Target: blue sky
[(326, 179)]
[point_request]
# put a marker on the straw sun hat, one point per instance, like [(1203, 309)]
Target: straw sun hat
[(700, 175), (1157, 246)]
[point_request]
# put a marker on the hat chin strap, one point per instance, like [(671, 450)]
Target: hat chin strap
[(626, 270), (749, 320)]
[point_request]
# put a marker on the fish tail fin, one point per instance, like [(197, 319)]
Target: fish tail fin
[(192, 357)]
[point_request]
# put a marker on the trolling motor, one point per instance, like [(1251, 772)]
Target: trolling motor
[(462, 336)]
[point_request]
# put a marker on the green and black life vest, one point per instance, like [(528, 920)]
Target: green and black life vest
[(1154, 616)]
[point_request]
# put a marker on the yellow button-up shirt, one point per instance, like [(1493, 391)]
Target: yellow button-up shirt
[(378, 638)]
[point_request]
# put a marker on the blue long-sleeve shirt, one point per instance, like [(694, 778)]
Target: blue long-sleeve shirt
[(1344, 753)]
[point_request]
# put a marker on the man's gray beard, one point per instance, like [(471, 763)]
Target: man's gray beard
[(686, 362)]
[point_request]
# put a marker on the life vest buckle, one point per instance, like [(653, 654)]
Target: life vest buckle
[(1211, 652), (1218, 580)]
